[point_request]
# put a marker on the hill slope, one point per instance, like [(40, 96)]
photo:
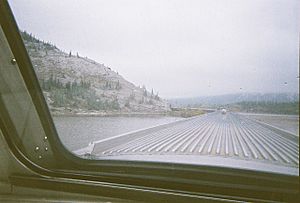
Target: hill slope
[(74, 84), (236, 98)]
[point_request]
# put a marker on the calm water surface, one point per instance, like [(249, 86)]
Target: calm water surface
[(77, 132)]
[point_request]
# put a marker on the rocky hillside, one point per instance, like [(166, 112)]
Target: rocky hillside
[(77, 85)]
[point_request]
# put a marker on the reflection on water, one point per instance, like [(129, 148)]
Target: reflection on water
[(77, 132)]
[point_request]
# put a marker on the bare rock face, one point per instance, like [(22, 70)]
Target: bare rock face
[(75, 84)]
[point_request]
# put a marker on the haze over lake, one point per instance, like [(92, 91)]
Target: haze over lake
[(180, 48)]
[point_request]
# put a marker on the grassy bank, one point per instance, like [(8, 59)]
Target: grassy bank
[(290, 108), (181, 112), (185, 112)]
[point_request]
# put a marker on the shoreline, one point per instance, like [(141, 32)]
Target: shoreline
[(267, 114), (183, 113), (169, 113), (103, 114)]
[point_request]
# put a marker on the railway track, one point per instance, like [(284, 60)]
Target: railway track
[(230, 135)]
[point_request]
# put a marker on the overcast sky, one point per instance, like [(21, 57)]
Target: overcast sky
[(181, 48)]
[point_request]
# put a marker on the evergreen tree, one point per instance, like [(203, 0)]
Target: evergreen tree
[(156, 96), (144, 90), (68, 85), (118, 85)]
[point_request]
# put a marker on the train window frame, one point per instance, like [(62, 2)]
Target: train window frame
[(167, 180)]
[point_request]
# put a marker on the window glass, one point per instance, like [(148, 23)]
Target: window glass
[(197, 82)]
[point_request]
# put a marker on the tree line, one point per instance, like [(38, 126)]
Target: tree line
[(76, 94), (269, 107)]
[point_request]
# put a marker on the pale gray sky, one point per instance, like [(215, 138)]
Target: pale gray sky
[(181, 48)]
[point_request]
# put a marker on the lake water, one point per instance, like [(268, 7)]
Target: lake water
[(77, 132)]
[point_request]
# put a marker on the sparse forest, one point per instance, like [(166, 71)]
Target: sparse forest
[(76, 94), (31, 38), (72, 83)]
